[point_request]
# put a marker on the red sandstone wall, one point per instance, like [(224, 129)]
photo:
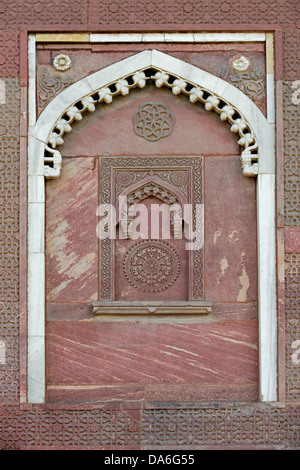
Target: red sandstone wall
[(23, 426)]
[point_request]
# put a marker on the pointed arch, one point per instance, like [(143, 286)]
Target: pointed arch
[(256, 138), (232, 105)]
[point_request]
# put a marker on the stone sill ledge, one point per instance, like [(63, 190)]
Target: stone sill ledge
[(152, 308)]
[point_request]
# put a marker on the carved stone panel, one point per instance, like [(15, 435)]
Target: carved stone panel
[(151, 267)]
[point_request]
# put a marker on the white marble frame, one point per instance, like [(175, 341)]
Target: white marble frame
[(38, 137)]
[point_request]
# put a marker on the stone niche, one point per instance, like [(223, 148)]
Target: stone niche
[(192, 333)]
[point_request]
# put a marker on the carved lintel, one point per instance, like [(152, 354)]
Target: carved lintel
[(51, 172), (189, 307)]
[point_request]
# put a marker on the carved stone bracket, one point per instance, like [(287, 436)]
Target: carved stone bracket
[(195, 93), (249, 168), (54, 158)]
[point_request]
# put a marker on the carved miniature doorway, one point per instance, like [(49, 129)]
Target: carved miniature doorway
[(151, 356)]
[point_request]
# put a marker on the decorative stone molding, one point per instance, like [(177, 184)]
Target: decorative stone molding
[(130, 309), (161, 77)]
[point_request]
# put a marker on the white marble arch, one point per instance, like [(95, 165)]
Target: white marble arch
[(258, 159)]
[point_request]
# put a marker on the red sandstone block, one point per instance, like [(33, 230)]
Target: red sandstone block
[(230, 232), (156, 394), (71, 239), (118, 353), (292, 240), (109, 395)]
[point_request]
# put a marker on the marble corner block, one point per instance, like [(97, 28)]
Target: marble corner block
[(36, 294), (153, 37), (31, 80), (270, 98), (270, 53), (31, 65), (62, 37), (266, 163), (36, 227), (31, 43), (177, 37), (36, 149), (36, 188), (111, 37), (31, 101), (36, 369), (229, 37)]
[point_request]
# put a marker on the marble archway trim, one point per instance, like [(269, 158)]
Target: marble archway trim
[(256, 136)]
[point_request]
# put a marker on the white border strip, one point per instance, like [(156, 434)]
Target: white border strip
[(265, 213), (270, 97), (177, 37), (31, 80), (267, 287), (36, 256)]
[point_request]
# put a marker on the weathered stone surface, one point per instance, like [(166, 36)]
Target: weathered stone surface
[(147, 353), (292, 240), (156, 394), (104, 395), (230, 238), (71, 240)]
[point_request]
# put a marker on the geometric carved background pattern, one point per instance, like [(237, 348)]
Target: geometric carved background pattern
[(291, 132), (249, 425), (9, 54), (292, 304), (96, 428), (224, 426), (9, 249)]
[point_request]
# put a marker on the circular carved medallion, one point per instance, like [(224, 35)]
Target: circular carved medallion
[(240, 64), (124, 178), (62, 62), (151, 266), (179, 178), (153, 121)]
